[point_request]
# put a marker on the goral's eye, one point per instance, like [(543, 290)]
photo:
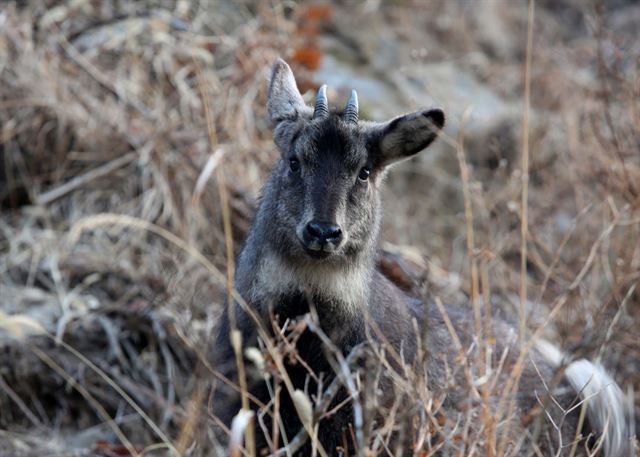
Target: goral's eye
[(294, 165), (364, 174)]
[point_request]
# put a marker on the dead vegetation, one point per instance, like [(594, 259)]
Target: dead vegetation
[(124, 130)]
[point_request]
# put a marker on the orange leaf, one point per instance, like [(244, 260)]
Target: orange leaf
[(317, 12), (309, 56)]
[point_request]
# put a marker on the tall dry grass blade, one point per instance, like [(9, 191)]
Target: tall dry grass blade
[(230, 261), (524, 223), (481, 338), (188, 429), (524, 203)]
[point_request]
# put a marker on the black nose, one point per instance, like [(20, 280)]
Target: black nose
[(324, 232)]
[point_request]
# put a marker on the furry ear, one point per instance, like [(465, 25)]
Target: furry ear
[(284, 100), (404, 136)]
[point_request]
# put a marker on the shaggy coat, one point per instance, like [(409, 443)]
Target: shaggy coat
[(330, 172)]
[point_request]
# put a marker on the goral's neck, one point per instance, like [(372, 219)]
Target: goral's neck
[(343, 288)]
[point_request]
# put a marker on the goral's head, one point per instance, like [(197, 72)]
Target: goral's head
[(326, 184)]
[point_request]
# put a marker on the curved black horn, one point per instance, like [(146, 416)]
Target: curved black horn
[(351, 110), (322, 105)]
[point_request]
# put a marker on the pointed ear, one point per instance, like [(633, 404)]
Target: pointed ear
[(284, 100), (404, 136)]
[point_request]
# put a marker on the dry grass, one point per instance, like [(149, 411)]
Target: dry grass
[(133, 142)]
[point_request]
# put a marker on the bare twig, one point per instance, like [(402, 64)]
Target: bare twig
[(86, 178)]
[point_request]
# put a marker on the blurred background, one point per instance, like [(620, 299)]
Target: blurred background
[(125, 124)]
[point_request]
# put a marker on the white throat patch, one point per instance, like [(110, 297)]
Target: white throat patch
[(348, 287)]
